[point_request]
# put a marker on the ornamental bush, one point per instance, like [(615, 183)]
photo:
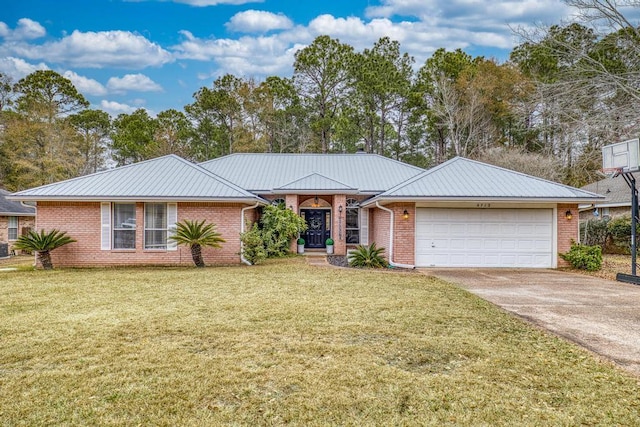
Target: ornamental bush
[(279, 227), (594, 232), (253, 249), (367, 257), (584, 257), (619, 229)]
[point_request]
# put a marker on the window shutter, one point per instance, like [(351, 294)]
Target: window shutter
[(105, 226), (172, 218), (364, 226)]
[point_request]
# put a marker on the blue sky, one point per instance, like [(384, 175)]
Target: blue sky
[(155, 54)]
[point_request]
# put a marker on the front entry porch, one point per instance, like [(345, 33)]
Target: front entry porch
[(318, 227)]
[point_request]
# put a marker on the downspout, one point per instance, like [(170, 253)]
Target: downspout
[(242, 258), (391, 263)]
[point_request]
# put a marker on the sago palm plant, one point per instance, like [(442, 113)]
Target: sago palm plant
[(196, 235), (368, 257), (43, 243)]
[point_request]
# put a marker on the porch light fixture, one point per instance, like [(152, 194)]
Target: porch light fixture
[(568, 215), (405, 214), (315, 203), (340, 208)]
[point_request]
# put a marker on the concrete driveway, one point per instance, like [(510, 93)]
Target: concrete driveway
[(600, 315)]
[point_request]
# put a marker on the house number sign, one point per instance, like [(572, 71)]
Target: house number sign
[(483, 205)]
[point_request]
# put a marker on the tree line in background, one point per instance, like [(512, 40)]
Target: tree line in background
[(547, 111)]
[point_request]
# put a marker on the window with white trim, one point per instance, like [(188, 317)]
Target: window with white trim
[(124, 226), (155, 226), (13, 228), (353, 223)]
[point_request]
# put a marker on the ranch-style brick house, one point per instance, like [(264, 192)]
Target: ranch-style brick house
[(462, 213)]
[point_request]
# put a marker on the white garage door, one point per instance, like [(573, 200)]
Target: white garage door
[(484, 237)]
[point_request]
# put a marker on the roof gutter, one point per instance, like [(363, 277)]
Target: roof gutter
[(242, 258), (480, 199), (393, 264)]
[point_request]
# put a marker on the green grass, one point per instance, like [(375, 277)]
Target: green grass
[(285, 343)]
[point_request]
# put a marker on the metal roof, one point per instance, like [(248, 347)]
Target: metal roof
[(168, 177), (264, 172), (461, 178), (316, 182), (11, 208)]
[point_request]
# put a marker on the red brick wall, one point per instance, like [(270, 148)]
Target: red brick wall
[(404, 231), (82, 222), (379, 222), (338, 228), (568, 230)]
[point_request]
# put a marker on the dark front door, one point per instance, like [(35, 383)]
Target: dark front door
[(318, 230)]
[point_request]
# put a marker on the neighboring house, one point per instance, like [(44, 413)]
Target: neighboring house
[(617, 200), (461, 213), (15, 218)]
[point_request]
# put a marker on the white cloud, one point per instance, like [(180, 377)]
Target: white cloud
[(114, 108), (133, 82), (246, 56), (120, 49), (17, 68), (26, 29), (258, 21), (85, 85)]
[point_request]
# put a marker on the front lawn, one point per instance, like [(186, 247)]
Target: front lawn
[(285, 343)]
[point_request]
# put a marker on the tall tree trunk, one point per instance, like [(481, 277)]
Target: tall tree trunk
[(196, 254)]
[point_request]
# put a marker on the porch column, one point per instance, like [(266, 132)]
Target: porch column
[(291, 202), (339, 222)]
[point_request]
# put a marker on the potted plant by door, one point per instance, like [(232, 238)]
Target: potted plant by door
[(300, 245), (329, 244)]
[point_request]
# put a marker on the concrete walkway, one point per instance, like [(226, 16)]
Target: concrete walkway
[(600, 315)]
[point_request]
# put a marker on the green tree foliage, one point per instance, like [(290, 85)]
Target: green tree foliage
[(43, 243), (38, 144), (323, 80), (382, 85), (133, 137), (93, 127), (173, 134), (196, 235), (367, 257)]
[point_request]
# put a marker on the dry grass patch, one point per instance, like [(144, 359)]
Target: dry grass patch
[(285, 343)]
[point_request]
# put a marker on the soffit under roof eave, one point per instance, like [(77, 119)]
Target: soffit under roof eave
[(140, 199), (388, 200), (313, 192)]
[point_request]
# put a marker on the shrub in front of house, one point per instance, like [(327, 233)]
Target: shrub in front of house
[(594, 232), (253, 249), (619, 230), (584, 257), (279, 227), (367, 257)]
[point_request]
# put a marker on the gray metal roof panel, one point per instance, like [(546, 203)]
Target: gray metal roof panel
[(464, 178), (263, 172), (315, 181), (164, 177), (12, 208)]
